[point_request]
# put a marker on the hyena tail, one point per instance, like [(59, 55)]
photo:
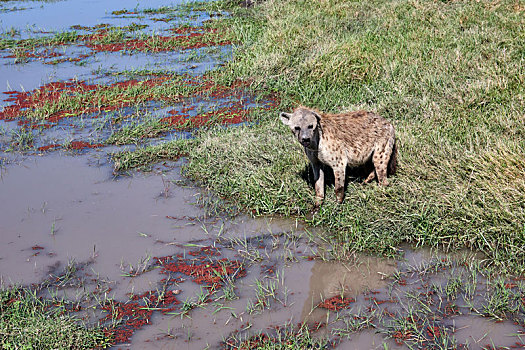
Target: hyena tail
[(392, 163)]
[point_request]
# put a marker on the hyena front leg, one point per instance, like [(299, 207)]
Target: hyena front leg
[(339, 175), (370, 177), (319, 183)]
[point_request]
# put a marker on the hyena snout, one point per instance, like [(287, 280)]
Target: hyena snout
[(305, 137), (305, 141)]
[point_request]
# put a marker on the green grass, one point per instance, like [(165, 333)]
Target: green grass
[(450, 77), (136, 132), (448, 74), (141, 157), (28, 322), (31, 43), (286, 337)]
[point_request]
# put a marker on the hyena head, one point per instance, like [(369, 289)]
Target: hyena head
[(304, 124)]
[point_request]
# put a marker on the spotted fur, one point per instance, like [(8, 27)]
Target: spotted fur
[(340, 140)]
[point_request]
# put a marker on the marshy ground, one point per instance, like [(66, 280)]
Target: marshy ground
[(151, 200)]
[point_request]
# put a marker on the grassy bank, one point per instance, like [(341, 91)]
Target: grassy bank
[(450, 76), (28, 322)]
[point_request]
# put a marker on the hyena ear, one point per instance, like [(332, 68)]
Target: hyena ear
[(317, 116), (285, 118)]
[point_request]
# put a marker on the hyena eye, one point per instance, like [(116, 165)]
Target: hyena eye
[(298, 128), (310, 126)]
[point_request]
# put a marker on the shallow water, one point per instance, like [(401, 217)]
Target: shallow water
[(31, 75), (58, 15), (480, 333), (76, 210)]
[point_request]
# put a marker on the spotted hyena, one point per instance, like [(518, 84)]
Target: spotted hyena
[(340, 140)]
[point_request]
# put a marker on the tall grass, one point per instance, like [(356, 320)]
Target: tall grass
[(451, 77)]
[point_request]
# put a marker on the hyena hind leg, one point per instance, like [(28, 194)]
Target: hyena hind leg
[(381, 160)]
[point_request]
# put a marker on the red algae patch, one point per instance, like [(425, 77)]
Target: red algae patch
[(133, 315), (53, 101), (48, 147), (44, 54), (202, 268), (336, 303), (129, 316), (75, 145), (226, 115), (103, 39), (253, 342), (49, 105), (78, 145), (157, 43)]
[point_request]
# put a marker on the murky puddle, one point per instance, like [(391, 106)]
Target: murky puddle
[(141, 254)]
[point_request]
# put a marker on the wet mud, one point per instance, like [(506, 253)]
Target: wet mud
[(143, 254)]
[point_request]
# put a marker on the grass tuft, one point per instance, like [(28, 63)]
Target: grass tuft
[(28, 322), (141, 157)]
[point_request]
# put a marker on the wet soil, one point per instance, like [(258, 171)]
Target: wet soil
[(145, 255)]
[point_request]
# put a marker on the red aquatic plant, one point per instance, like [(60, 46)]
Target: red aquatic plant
[(93, 98), (48, 147), (202, 268), (225, 115), (336, 303), (126, 318), (401, 336), (129, 317), (78, 145)]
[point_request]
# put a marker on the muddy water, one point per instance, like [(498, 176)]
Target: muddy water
[(300, 288), (58, 209), (75, 210), (480, 332)]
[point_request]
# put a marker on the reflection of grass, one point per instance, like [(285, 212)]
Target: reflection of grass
[(27, 322)]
